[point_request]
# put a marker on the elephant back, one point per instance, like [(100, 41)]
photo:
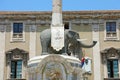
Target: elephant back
[(45, 34), (71, 34)]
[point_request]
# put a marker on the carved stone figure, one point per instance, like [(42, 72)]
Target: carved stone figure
[(54, 71), (71, 38)]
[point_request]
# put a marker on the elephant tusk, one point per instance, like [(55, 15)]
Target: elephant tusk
[(81, 39)]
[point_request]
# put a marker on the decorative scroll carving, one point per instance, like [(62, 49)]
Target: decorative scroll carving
[(110, 53), (16, 54)]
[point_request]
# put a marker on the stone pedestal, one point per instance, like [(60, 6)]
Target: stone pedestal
[(54, 67)]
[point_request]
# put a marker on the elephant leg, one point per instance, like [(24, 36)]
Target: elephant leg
[(65, 50), (45, 44)]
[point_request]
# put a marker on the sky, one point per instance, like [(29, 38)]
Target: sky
[(67, 5)]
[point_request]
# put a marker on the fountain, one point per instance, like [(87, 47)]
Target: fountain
[(54, 67), (55, 62)]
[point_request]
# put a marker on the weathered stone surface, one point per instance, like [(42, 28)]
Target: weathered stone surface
[(54, 67)]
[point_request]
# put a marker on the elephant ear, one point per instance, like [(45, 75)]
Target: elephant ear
[(71, 34)]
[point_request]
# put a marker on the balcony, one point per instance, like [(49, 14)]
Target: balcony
[(111, 78)]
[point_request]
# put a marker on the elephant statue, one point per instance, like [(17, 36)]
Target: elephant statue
[(71, 38)]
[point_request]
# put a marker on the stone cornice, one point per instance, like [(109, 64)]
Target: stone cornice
[(67, 15), (18, 50), (67, 12)]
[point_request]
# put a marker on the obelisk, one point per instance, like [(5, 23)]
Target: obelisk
[(57, 12), (57, 28)]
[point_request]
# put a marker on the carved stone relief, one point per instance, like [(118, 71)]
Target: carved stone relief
[(54, 71), (16, 54), (110, 53)]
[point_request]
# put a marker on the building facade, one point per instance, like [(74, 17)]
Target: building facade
[(20, 41)]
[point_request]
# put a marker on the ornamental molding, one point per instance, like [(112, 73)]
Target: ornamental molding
[(16, 54), (16, 51), (54, 58), (110, 53), (2, 28), (66, 15)]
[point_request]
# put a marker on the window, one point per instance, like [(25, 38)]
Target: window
[(16, 69), (66, 26), (113, 70), (17, 30), (111, 26), (110, 60), (111, 30), (17, 27), (16, 63)]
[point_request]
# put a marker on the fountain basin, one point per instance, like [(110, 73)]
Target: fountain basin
[(54, 67)]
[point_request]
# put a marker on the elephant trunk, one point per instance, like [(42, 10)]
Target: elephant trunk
[(87, 46)]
